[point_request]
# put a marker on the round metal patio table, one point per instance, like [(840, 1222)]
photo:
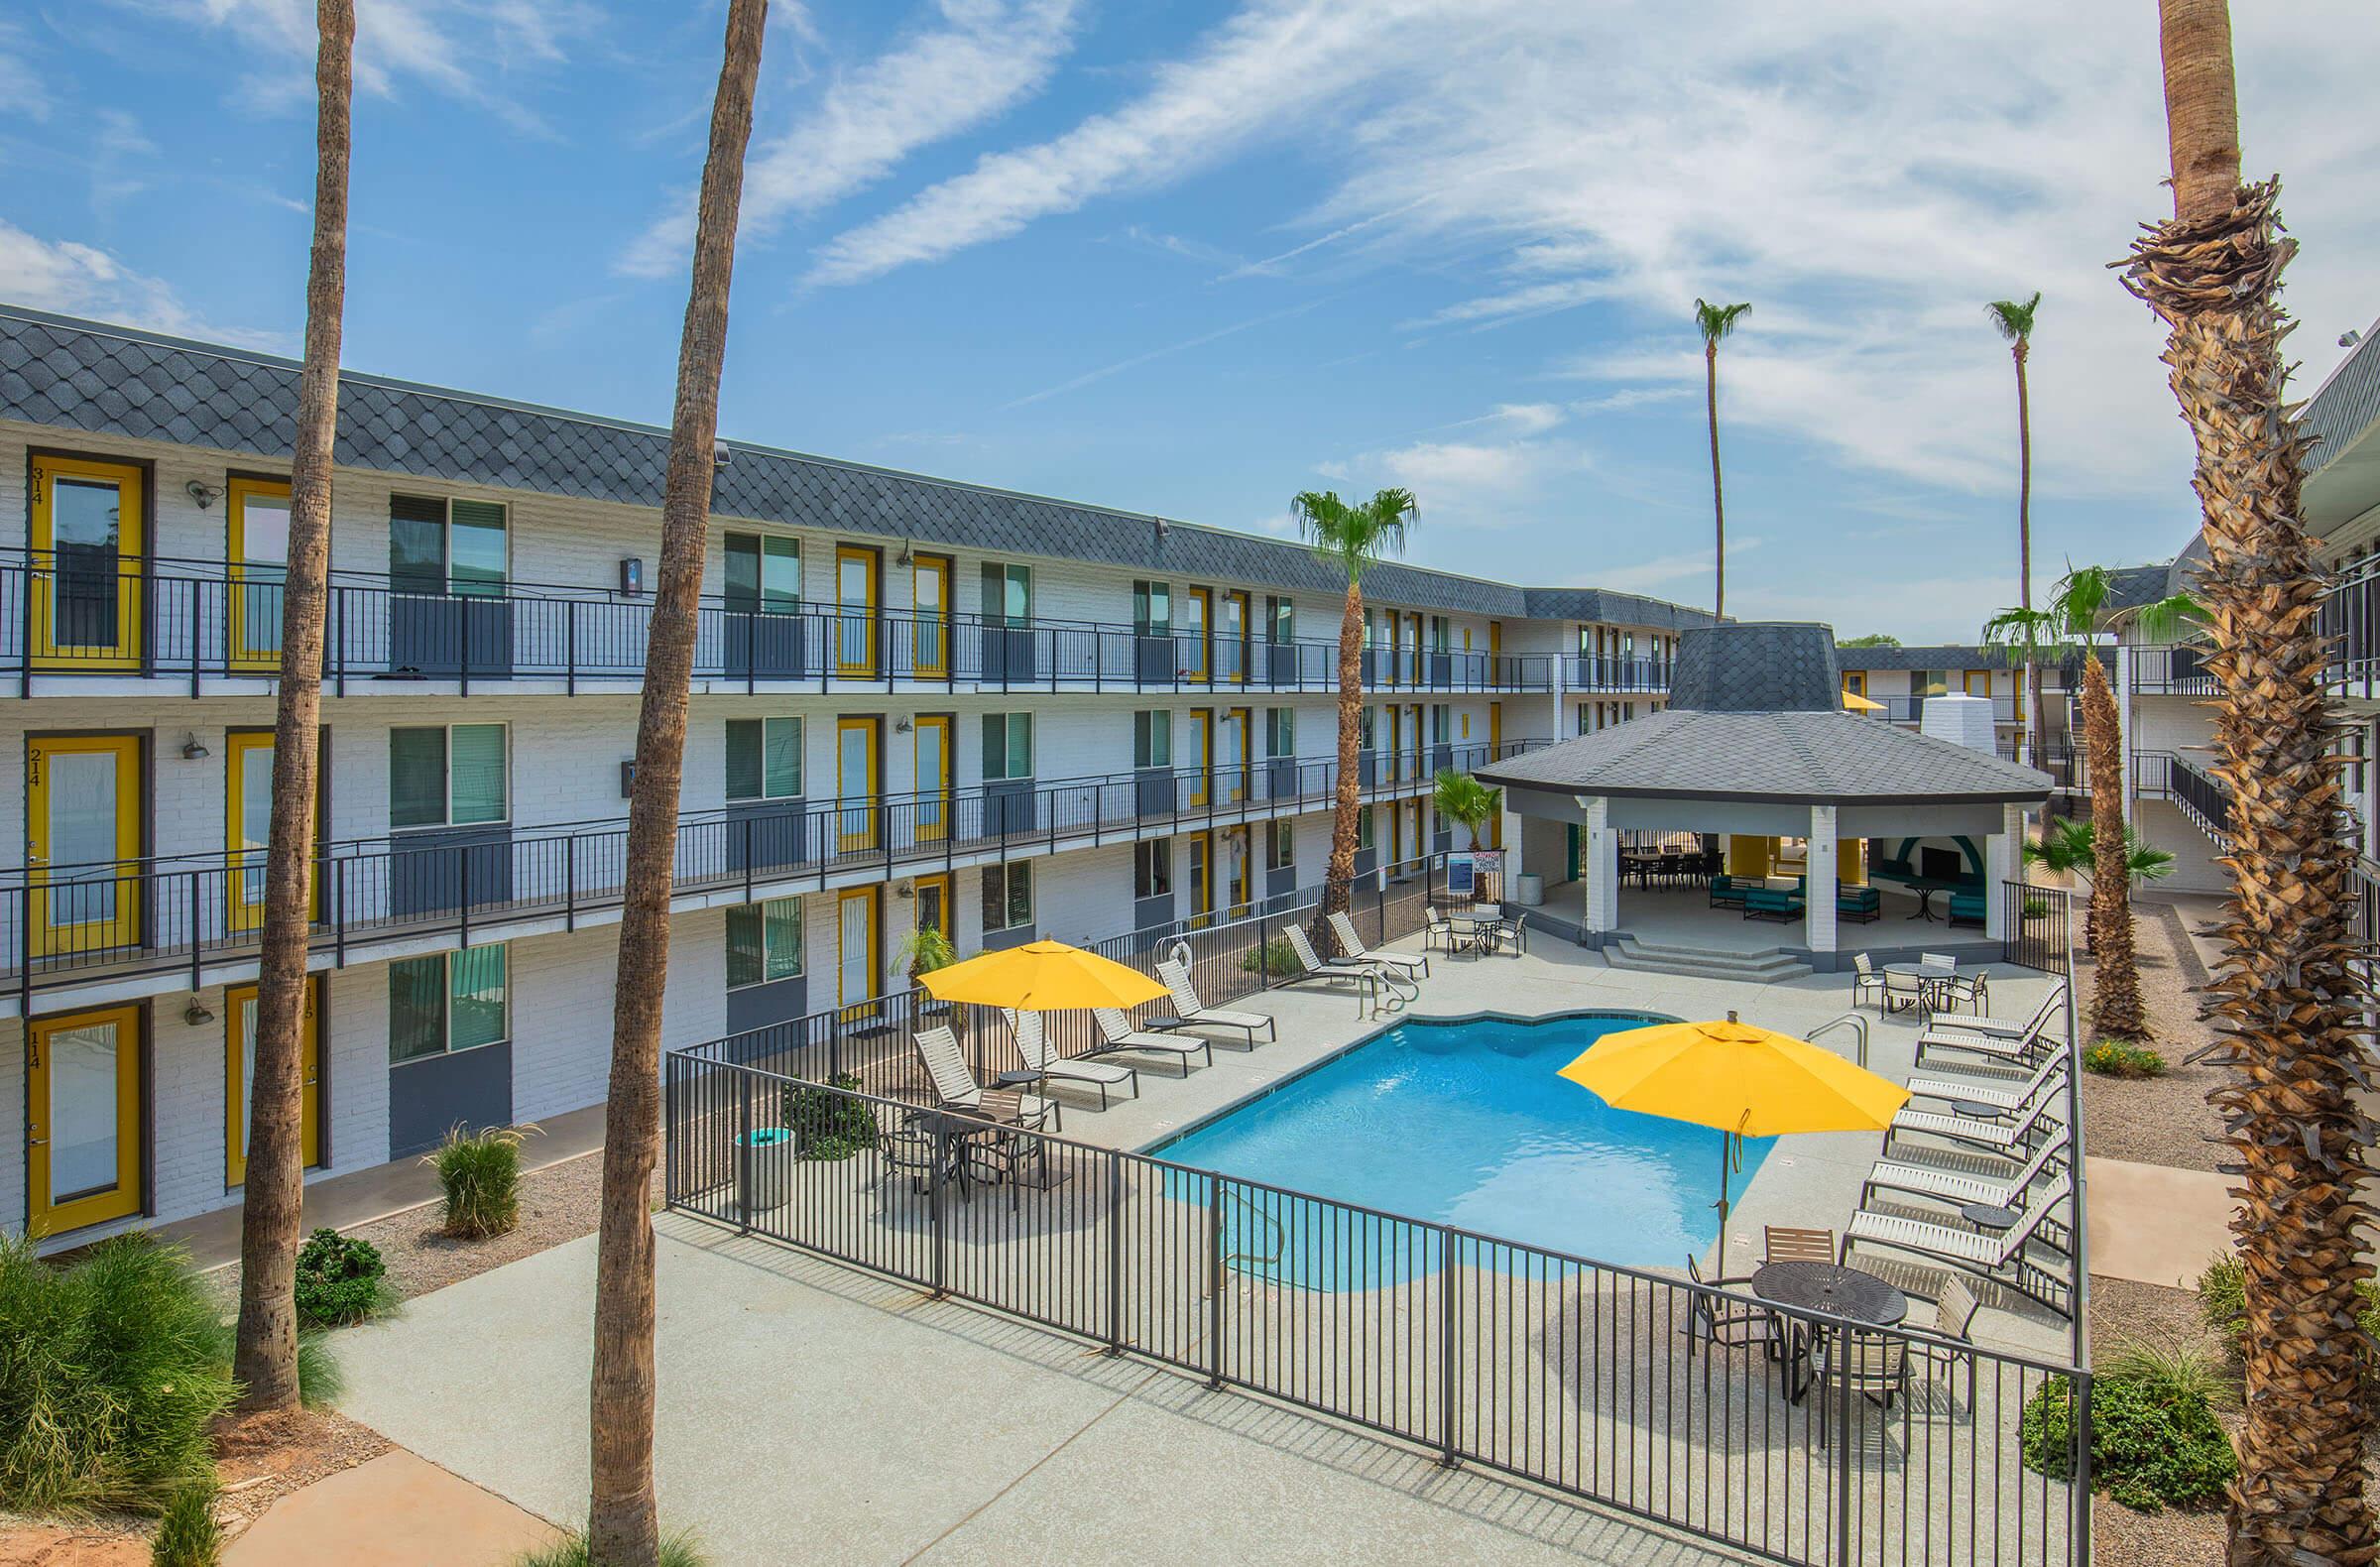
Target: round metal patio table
[(1830, 1287), (1933, 982)]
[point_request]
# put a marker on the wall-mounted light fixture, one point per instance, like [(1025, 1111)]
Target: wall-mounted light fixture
[(193, 750), (905, 558), (203, 493), (906, 889), (197, 1014), (721, 455), (900, 726)]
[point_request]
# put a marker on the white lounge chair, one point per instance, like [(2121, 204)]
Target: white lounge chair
[(1960, 1187), (1033, 1043), (955, 1085), (1119, 1033), (2000, 1093), (1352, 945), (1197, 1013), (1987, 1254), (1994, 1039), (1999, 1136)]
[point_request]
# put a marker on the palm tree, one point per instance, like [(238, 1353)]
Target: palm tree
[(265, 1345), (1460, 797), (2069, 629), (1349, 537), (2014, 323), (2288, 993), (623, 1525), (2067, 847), (1716, 322)]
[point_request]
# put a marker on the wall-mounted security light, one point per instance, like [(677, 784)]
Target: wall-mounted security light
[(721, 456), (194, 750), (203, 493)]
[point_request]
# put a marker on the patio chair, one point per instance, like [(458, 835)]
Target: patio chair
[(1971, 991), (1437, 928), (1033, 1043), (1727, 892), (1873, 1366), (1725, 1325), (1903, 991), (1994, 1039), (1771, 902), (1352, 945), (955, 1086), (1374, 976), (1967, 908), (2003, 1094), (907, 1149), (1197, 1013), (1960, 1187), (1865, 981), (1119, 1033), (1998, 1256), (1861, 903), (1790, 1244), (1999, 1135)]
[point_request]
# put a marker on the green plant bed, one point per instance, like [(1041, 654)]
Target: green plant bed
[(2154, 1440), (2123, 1058), (340, 1280), (480, 1173), (828, 1126), (187, 1533), (678, 1550)]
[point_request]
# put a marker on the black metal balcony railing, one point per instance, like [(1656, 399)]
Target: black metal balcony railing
[(2350, 619), (2172, 669), (2068, 767), (1587, 671), (2203, 797), (62, 923), (191, 621)]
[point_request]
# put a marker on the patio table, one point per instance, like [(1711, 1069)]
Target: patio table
[(1834, 1288), (1929, 977), (1479, 930)]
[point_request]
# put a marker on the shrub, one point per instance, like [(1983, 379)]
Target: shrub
[(678, 1550), (1275, 959), (480, 1172), (110, 1371), (2154, 1439), (2123, 1058), (340, 1280), (187, 1533), (2224, 1304), (829, 1126), (2036, 909)]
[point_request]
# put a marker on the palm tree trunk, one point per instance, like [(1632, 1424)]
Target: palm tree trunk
[(265, 1349), (2115, 1008), (623, 1525), (2287, 992), (2024, 565), (1340, 874), (1718, 504)]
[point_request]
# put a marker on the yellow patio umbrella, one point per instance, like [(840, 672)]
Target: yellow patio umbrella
[(1747, 1081), (1853, 703), (1041, 976)]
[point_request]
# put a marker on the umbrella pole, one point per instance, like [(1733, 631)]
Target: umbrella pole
[(1718, 1266)]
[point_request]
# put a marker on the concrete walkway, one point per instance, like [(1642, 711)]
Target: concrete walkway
[(396, 1510), (2154, 1224), (809, 1413)]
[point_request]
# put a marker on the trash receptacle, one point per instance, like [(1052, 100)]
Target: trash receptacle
[(763, 1170), (1528, 889)]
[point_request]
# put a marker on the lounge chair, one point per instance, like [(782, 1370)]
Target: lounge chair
[(1960, 1187), (1999, 1257), (1352, 945), (1196, 1013), (955, 1086), (1032, 1042), (1359, 971), (1999, 1136), (2003, 1094), (1119, 1033), (1994, 1039)]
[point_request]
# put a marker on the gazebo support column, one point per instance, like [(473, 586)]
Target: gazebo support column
[(1509, 833), (1818, 910), (1600, 873), (2003, 863)]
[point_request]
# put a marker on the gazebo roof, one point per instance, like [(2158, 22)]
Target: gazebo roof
[(1756, 714)]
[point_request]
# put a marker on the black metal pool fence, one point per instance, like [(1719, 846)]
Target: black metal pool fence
[(1600, 1381)]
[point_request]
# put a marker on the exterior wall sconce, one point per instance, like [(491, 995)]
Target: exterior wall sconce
[(900, 726), (197, 1014), (204, 494), (193, 751)]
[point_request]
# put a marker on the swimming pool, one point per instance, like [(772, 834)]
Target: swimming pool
[(1462, 1124)]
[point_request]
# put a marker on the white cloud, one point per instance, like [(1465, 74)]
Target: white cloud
[(22, 90), (83, 279), (985, 58)]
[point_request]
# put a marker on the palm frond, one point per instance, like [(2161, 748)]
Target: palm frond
[(1716, 321), (2012, 321), (1351, 538)]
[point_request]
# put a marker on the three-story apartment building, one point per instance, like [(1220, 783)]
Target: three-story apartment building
[(916, 703)]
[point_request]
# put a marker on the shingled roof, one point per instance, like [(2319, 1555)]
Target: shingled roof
[(86, 374), (1756, 714)]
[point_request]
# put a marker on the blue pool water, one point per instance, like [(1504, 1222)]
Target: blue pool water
[(1464, 1124)]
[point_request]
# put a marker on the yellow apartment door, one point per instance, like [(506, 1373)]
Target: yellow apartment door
[(257, 516), (859, 957), (1191, 635), (855, 611), (89, 558), (83, 837), (1232, 638), (247, 792), (933, 777), (83, 1107), (929, 630), (239, 1073), (856, 774)]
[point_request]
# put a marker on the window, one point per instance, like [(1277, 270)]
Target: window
[(1152, 609), (447, 1002), (763, 943), (763, 574), (1281, 845), (1928, 682), (1008, 747), (1007, 594), (1152, 870), (764, 758), (1364, 838), (1438, 724), (1440, 638), (1007, 896), (1281, 616), (440, 545), (1280, 731), (450, 775), (1153, 739)]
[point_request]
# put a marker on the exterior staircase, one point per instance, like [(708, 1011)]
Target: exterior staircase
[(1759, 968)]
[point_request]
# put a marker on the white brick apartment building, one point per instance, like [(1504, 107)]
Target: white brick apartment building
[(915, 701)]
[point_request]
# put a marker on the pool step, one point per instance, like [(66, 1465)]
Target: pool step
[(1759, 968)]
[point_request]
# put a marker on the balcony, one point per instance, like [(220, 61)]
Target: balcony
[(193, 917), (2201, 796), (1587, 671), (2172, 669), (202, 624), (2350, 622), (2068, 767)]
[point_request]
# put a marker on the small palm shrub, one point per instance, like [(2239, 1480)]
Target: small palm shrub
[(829, 1126), (2154, 1440), (678, 1550), (2123, 1058), (110, 1371), (187, 1534), (340, 1280), (480, 1172)]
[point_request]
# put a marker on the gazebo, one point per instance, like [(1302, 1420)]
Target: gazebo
[(1756, 749)]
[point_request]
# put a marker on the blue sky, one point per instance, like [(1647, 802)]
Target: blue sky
[(1190, 260)]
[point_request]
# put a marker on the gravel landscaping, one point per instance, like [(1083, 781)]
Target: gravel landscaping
[(2158, 1120)]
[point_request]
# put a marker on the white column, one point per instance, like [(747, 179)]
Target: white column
[(1818, 910), (2127, 671), (2000, 864), (1602, 866)]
